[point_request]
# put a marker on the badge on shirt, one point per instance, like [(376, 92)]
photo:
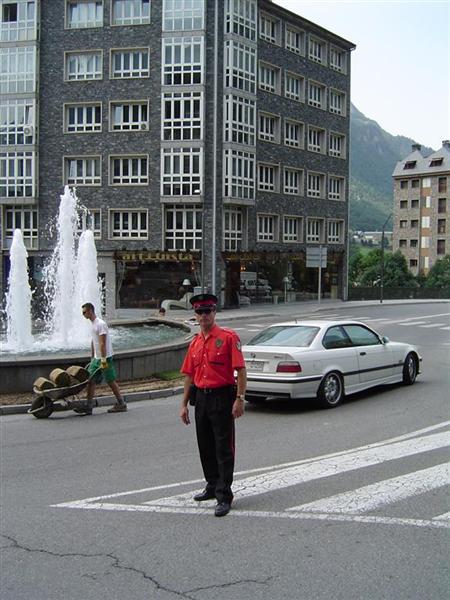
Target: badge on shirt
[(219, 342), (238, 345)]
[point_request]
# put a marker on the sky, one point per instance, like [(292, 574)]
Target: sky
[(400, 69)]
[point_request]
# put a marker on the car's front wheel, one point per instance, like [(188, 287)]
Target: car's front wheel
[(331, 390), (409, 369)]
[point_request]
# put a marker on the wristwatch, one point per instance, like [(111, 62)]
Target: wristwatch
[(240, 397)]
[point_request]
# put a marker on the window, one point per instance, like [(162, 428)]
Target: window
[(84, 13), (268, 178), (402, 243), (82, 170), (90, 219), (336, 187), (426, 202), (18, 21), (128, 170), (338, 59), (18, 69), (84, 66), (182, 171), (130, 12), (336, 145), (440, 247), (293, 181), (403, 224), (414, 224), (17, 174), (240, 18), (130, 62), (410, 164), (129, 116), (317, 50), (315, 185), (240, 66), (240, 117), (335, 231), (82, 118), (292, 229), (183, 227), (436, 162), (239, 178), (335, 337), (425, 241), (183, 60), (295, 40), (25, 219), (404, 184), (403, 204), (267, 228), (314, 230), (17, 119), (269, 78), (426, 262), (182, 116), (233, 229), (183, 15), (426, 182), (269, 29), (441, 226), (131, 224), (361, 336), (316, 139), (337, 102), (425, 222), (269, 128), (413, 263), (415, 183), (413, 243), (415, 203), (294, 133), (317, 95), (294, 87), (442, 185), (442, 205)]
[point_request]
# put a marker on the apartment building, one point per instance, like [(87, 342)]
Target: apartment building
[(421, 207), (203, 137)]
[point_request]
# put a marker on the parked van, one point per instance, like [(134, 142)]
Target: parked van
[(248, 281)]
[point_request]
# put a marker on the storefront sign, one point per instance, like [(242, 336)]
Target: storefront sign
[(262, 256), (155, 256)]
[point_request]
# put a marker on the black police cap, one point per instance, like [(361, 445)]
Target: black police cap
[(204, 300)]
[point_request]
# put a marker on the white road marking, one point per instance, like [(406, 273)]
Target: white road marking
[(432, 325), (373, 496), (412, 324), (444, 517), (446, 328)]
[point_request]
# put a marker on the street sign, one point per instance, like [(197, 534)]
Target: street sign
[(316, 256)]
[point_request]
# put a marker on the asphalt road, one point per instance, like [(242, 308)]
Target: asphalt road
[(95, 507)]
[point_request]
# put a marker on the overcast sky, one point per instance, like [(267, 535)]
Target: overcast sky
[(401, 65)]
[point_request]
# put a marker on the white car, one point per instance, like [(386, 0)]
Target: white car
[(324, 359)]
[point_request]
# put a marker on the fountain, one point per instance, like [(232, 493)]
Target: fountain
[(71, 279)]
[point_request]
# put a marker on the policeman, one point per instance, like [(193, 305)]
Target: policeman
[(212, 357)]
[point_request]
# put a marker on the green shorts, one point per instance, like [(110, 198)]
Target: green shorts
[(109, 374)]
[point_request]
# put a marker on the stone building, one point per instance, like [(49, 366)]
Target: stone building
[(421, 207), (204, 138)]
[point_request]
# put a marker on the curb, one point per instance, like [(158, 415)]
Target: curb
[(17, 409)]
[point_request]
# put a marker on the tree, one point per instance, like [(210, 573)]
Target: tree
[(367, 270), (439, 275)]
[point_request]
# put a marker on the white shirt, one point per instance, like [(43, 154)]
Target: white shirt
[(99, 327)]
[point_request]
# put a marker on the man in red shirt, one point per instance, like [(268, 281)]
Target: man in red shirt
[(211, 360)]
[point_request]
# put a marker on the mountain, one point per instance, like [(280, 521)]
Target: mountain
[(373, 155)]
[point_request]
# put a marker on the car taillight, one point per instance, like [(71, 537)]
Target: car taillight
[(289, 367)]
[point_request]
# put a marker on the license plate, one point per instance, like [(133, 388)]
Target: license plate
[(255, 365)]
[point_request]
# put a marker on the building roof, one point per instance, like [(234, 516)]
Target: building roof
[(418, 164)]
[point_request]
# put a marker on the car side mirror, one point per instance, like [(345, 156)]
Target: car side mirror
[(385, 340)]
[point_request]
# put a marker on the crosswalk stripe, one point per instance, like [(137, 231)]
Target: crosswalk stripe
[(328, 467), (446, 328), (432, 325), (444, 517), (412, 324), (373, 496)]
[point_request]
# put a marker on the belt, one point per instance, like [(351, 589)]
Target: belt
[(215, 390)]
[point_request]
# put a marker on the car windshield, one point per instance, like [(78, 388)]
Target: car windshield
[(282, 335)]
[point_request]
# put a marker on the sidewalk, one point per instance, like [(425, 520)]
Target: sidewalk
[(277, 311)]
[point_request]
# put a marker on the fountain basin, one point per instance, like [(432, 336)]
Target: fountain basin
[(18, 374)]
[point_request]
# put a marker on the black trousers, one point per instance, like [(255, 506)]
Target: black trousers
[(214, 425)]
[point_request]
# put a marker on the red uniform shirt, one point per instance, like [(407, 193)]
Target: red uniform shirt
[(211, 361)]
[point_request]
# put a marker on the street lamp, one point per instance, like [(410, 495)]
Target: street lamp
[(197, 192), (186, 284), (382, 260)]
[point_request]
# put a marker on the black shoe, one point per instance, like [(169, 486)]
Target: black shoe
[(222, 509), (205, 495)]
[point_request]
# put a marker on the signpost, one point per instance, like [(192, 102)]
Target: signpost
[(316, 257)]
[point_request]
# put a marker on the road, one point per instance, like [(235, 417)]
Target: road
[(349, 503)]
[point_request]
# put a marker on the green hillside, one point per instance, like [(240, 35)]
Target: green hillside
[(373, 155)]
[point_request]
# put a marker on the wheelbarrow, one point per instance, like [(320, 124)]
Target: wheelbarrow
[(59, 399)]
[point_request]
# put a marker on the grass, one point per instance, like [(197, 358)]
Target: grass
[(168, 375)]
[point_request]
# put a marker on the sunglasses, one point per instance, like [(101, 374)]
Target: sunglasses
[(203, 311)]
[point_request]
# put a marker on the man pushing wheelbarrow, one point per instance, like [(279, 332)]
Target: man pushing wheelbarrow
[(102, 364)]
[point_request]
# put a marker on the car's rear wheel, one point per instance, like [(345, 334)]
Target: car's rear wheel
[(409, 369), (254, 399), (331, 390)]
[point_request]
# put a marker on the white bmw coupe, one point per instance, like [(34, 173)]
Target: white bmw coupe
[(324, 359)]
